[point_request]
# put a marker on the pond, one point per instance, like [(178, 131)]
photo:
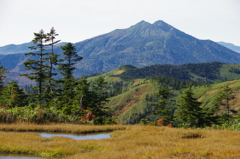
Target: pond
[(49, 135), (78, 137), (11, 156)]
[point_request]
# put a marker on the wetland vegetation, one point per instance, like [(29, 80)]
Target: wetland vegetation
[(127, 142)]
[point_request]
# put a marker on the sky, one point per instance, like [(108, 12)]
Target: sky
[(78, 20)]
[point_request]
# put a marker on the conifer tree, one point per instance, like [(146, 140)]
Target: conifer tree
[(83, 96), (71, 58), (100, 96), (13, 96), (37, 61), (163, 107), (92, 96), (66, 69), (223, 100), (3, 76), (189, 112), (53, 59)]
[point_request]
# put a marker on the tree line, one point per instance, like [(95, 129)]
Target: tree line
[(190, 113), (209, 71), (67, 97)]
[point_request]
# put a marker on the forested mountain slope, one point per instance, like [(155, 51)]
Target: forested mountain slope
[(136, 102), (201, 72), (133, 90)]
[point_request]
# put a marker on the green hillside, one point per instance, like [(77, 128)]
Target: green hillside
[(132, 105), (202, 72), (135, 94), (207, 94)]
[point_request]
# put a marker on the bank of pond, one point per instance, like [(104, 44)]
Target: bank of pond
[(115, 141), (42, 136), (78, 137), (49, 135)]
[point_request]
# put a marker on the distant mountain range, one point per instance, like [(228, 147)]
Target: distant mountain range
[(230, 46), (14, 49), (21, 48), (142, 44)]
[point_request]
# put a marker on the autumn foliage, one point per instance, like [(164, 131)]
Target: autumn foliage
[(89, 116)]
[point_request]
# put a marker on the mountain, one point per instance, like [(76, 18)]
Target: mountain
[(21, 48), (230, 46), (147, 44), (142, 44), (13, 49)]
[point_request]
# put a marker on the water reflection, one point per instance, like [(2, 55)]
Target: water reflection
[(78, 137), (11, 156)]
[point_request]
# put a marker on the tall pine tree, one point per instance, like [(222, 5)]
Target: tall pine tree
[(223, 101), (189, 112), (37, 61), (53, 60), (66, 69)]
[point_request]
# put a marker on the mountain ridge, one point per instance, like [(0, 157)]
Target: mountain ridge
[(142, 44), (230, 46), (20, 48), (140, 30), (13, 48)]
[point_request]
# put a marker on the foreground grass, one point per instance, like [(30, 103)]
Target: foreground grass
[(133, 142)]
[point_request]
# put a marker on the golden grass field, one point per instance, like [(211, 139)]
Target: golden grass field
[(134, 142)]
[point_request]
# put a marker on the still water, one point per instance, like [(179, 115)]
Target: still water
[(49, 135), (10, 156), (78, 137)]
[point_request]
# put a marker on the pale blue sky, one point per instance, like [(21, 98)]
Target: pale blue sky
[(77, 20)]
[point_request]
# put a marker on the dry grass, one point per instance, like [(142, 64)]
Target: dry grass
[(130, 99), (158, 142), (119, 72), (144, 142), (68, 128), (137, 82)]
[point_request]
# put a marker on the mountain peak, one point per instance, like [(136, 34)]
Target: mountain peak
[(164, 26), (143, 23), (159, 22)]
